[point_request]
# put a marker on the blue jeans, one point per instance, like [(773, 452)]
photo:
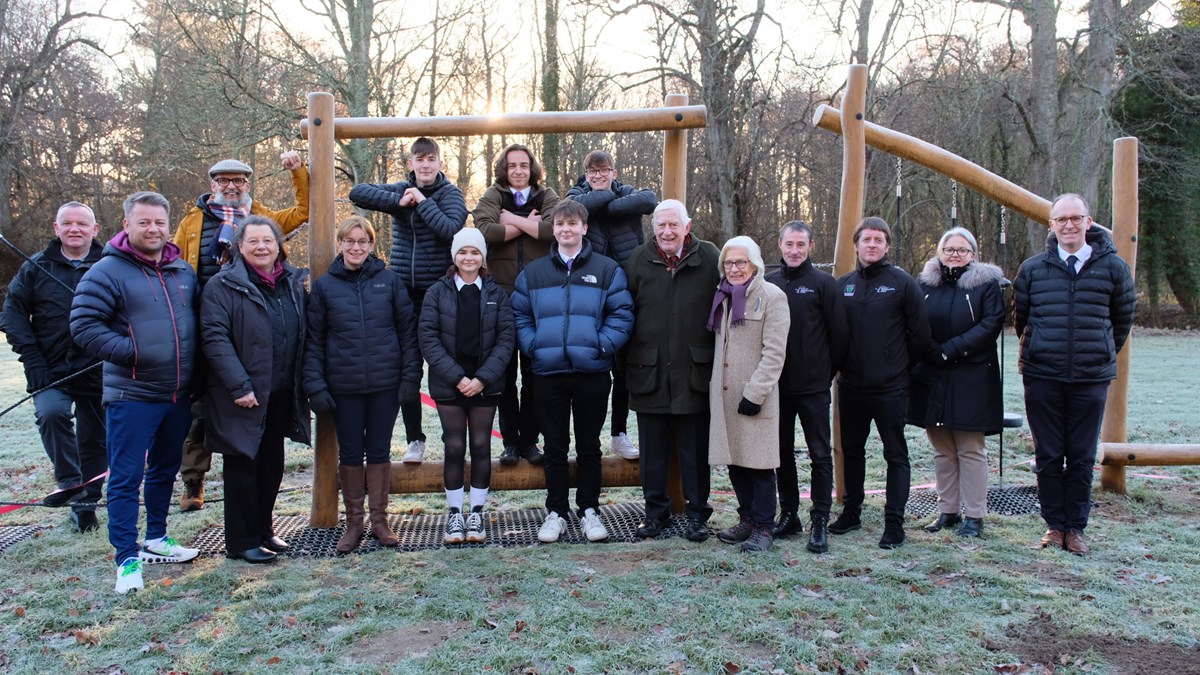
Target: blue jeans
[(145, 440)]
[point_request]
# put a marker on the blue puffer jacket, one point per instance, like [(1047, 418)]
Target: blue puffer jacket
[(421, 234), (572, 322), (1071, 330), (438, 337), (614, 216), (139, 317), (362, 332)]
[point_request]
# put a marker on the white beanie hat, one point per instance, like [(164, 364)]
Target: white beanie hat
[(468, 236)]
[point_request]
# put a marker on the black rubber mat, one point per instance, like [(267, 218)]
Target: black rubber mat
[(519, 528), (12, 534)]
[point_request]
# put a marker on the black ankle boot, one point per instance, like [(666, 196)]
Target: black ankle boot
[(893, 534), (972, 527), (788, 523), (943, 520), (848, 521), (818, 533)]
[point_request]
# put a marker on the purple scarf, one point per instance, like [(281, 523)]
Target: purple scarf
[(270, 279), (737, 303)]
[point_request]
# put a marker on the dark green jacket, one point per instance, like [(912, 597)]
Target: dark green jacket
[(670, 355)]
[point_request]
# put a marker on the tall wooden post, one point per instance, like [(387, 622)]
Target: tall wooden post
[(675, 168), (321, 252), (854, 178), (675, 164), (1125, 234)]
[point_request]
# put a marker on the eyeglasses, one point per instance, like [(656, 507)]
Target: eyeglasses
[(736, 264), (1074, 220), (361, 243), (596, 173), (236, 182), (957, 251)]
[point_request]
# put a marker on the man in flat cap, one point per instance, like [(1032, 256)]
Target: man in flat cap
[(204, 236)]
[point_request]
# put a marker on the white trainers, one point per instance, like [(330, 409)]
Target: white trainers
[(166, 550), (623, 445), (550, 530), (454, 528), (592, 528), (475, 533), (129, 576), (416, 453)]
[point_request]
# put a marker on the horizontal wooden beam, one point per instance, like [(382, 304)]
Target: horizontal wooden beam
[(1149, 454), (427, 476), (944, 162), (651, 119)]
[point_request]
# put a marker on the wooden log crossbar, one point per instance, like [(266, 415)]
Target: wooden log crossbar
[(427, 476), (1114, 457)]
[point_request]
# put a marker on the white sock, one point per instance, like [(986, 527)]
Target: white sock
[(478, 497), (454, 498)]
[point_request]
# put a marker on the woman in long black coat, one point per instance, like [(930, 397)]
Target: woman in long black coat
[(955, 390), (252, 319)]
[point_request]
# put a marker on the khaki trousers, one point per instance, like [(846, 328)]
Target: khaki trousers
[(960, 463)]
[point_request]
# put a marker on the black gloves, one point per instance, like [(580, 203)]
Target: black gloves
[(322, 402), (409, 393), (748, 407), (38, 379)]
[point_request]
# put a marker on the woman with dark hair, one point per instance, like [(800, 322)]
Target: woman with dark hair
[(751, 319), (955, 390), (252, 333), (467, 337), (360, 363)]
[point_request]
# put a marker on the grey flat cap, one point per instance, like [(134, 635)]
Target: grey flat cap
[(229, 166)]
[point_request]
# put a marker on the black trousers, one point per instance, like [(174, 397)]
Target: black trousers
[(73, 433), (364, 424), (518, 418), (411, 412), (886, 409), (813, 410), (755, 490), (583, 396), (658, 436), (620, 404), (251, 485), (1065, 421)]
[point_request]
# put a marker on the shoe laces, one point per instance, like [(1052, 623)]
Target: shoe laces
[(474, 521), (455, 524), (131, 566)]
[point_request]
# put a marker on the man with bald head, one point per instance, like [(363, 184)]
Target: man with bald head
[(1073, 313), (36, 319)]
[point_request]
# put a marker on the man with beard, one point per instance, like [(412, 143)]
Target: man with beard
[(203, 237)]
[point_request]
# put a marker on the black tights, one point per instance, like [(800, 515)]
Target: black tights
[(455, 422)]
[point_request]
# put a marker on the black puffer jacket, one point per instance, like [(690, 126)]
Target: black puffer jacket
[(438, 337), (889, 330), (421, 234), (36, 320), (614, 216), (1071, 330), (362, 332), (818, 338), (957, 385), (243, 348)]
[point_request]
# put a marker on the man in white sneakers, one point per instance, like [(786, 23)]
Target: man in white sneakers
[(573, 312)]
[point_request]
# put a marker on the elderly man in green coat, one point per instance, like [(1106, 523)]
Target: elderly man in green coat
[(669, 363)]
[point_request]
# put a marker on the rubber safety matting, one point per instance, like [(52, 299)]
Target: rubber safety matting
[(12, 534), (519, 528)]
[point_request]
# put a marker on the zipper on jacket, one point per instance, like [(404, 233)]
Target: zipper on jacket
[(970, 307), (567, 319), (175, 332)]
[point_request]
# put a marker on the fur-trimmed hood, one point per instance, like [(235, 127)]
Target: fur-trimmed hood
[(976, 274)]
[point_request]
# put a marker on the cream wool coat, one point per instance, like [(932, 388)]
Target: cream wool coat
[(747, 362)]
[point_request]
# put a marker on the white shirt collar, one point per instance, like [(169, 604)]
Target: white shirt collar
[(1082, 254), (459, 283)]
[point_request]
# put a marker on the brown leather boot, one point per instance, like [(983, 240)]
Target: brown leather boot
[(192, 498), (351, 478), (379, 482)]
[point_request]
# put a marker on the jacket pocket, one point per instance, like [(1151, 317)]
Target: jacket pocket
[(701, 370), (641, 369)]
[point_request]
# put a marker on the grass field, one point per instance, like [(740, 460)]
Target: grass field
[(936, 605)]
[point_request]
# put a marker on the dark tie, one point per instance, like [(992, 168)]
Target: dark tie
[(519, 198), (570, 262), (1071, 261)]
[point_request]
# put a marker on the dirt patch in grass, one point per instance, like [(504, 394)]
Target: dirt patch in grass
[(1044, 643), (619, 561), (411, 642), (1052, 574)]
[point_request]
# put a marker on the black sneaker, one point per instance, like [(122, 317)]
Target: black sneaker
[(532, 454), (509, 456), (893, 535), (818, 530), (61, 497), (85, 521), (697, 530), (848, 521)]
